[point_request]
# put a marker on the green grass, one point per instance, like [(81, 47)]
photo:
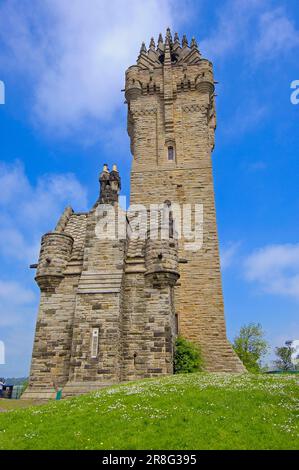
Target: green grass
[(7, 405), (195, 411)]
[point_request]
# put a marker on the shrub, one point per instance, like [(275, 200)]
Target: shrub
[(187, 357)]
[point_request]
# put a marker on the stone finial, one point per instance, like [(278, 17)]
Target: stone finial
[(168, 35), (194, 43), (143, 48), (167, 52), (160, 41), (152, 45), (176, 38), (185, 41), (110, 185), (104, 181), (115, 182)]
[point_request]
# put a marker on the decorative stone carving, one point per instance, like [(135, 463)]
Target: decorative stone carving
[(110, 185)]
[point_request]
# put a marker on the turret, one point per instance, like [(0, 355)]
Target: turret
[(56, 248), (161, 252)]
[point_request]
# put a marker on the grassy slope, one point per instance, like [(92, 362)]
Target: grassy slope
[(7, 405), (196, 411)]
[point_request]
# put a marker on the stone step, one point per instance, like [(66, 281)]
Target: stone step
[(102, 273), (104, 281), (100, 282), (103, 285), (92, 290), (100, 285)]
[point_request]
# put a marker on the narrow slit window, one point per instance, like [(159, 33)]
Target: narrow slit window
[(176, 324), (94, 342), (170, 153)]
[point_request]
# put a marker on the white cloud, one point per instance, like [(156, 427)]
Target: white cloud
[(275, 268), (228, 254), (232, 29), (13, 245), (253, 28), (246, 118), (14, 293), (13, 183), (26, 210), (18, 311), (75, 54), (16, 302), (277, 35)]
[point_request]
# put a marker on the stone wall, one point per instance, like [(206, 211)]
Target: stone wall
[(148, 315)]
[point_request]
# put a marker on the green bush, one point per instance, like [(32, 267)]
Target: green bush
[(187, 357)]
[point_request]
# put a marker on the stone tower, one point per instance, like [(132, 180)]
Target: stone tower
[(111, 306), (171, 124)]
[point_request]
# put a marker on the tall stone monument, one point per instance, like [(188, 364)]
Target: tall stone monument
[(112, 306)]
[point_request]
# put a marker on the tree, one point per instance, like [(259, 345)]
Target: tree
[(251, 346), (284, 354), (187, 357)]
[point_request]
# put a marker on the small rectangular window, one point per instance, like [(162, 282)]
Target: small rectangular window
[(94, 342), (170, 153)]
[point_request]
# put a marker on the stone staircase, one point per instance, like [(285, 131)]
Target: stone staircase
[(100, 282)]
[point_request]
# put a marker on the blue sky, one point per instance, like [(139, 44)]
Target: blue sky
[(63, 66)]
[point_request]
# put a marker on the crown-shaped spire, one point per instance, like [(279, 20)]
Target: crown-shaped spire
[(169, 51)]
